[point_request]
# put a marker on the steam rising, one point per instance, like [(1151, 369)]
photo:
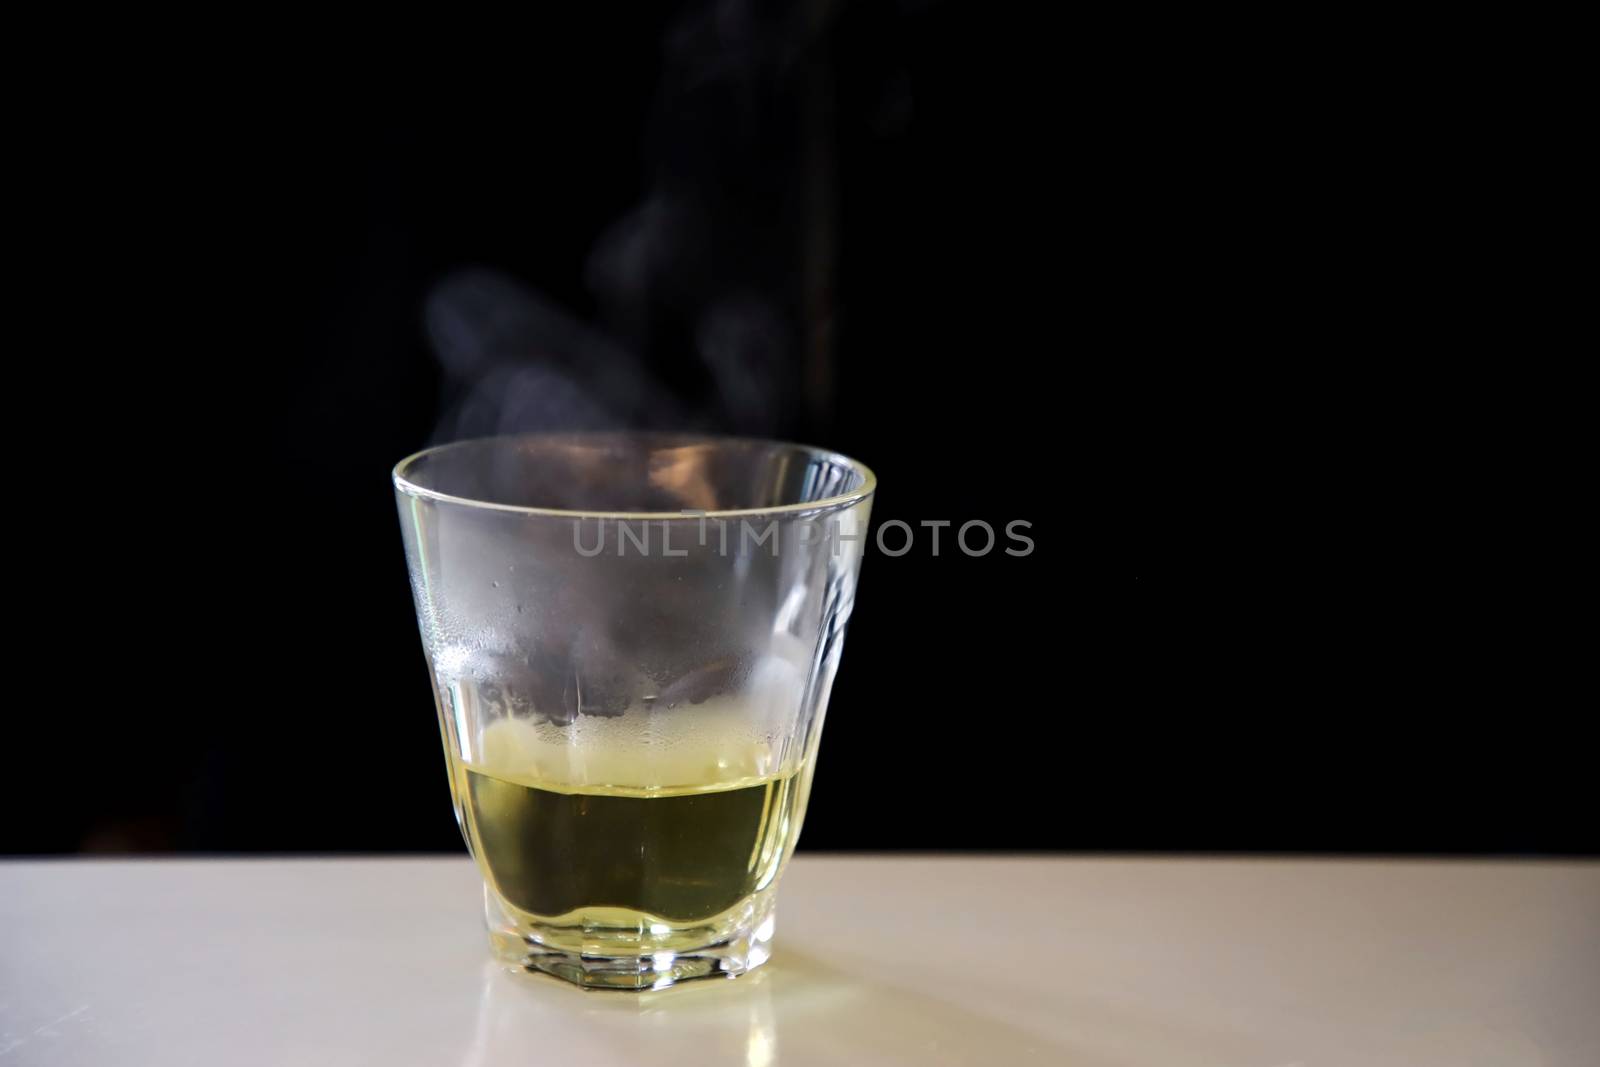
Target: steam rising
[(714, 291), (514, 362)]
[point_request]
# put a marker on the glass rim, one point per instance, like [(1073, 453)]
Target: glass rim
[(868, 486)]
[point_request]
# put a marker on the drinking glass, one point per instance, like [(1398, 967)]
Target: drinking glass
[(631, 641)]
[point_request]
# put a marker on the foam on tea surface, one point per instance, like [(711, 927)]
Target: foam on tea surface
[(703, 749)]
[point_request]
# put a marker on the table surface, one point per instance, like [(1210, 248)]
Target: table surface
[(915, 960)]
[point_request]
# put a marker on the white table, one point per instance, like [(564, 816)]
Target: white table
[(1079, 962)]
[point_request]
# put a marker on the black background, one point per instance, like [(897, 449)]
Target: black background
[(1132, 304)]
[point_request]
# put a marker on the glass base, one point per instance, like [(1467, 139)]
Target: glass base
[(604, 957)]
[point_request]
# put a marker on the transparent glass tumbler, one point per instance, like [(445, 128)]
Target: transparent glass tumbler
[(631, 641)]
